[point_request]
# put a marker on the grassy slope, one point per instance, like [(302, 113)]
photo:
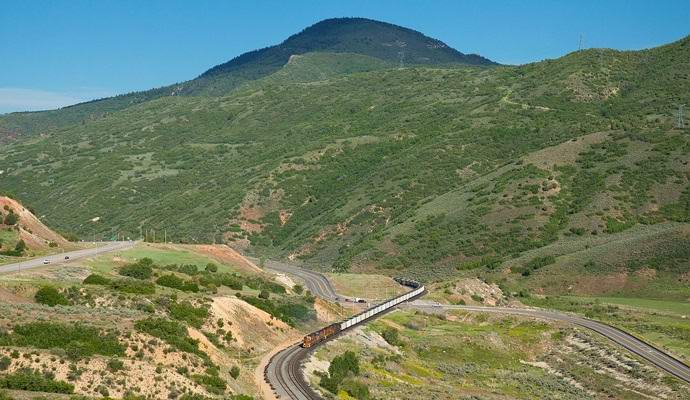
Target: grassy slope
[(467, 356), (148, 369), (411, 170)]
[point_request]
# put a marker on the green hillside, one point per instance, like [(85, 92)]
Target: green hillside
[(366, 43), (347, 161)]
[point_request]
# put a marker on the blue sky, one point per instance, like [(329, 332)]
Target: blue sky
[(54, 53)]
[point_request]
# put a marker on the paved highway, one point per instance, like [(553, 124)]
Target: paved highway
[(320, 286), (633, 344), (315, 282), (107, 247)]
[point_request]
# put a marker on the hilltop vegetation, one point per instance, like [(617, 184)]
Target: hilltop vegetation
[(382, 42), (344, 161)]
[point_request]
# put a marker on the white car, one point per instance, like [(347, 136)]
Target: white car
[(46, 262)]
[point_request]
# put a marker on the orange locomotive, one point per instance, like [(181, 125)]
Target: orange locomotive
[(320, 335)]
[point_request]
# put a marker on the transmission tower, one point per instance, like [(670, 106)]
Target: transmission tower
[(681, 120), (401, 57), (579, 45)]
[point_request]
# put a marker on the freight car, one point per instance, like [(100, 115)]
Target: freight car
[(325, 333)]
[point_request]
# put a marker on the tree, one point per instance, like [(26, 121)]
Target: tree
[(235, 371), (264, 294), (211, 267), (11, 219), (50, 296), (141, 270), (391, 335), (21, 246), (298, 289)]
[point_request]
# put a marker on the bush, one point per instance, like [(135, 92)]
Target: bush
[(235, 371), (298, 289), (175, 282), (264, 295), (34, 382), (211, 267), (96, 279), (50, 296), (115, 365), (77, 339), (392, 336), (356, 389), (133, 286), (189, 269), (11, 219), (139, 270), (5, 363), (341, 367), (174, 333), (185, 311), (213, 383)]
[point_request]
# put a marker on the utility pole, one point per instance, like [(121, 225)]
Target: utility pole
[(165, 236), (681, 121)]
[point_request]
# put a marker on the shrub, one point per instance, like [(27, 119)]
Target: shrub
[(5, 363), (96, 279), (211, 267), (185, 311), (356, 389), (34, 382), (133, 286), (213, 383), (341, 367), (50, 296), (235, 371), (264, 295), (138, 270), (77, 339), (174, 333), (11, 219), (189, 269), (115, 365), (175, 282), (392, 336), (298, 289)]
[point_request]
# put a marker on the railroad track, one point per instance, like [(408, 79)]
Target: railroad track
[(284, 371), (637, 346), (319, 285)]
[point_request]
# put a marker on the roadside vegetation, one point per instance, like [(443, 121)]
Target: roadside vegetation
[(198, 335)]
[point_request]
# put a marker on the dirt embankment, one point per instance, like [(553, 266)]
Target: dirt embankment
[(35, 233)]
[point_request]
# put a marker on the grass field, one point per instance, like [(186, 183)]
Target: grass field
[(368, 286), (160, 255), (676, 307)]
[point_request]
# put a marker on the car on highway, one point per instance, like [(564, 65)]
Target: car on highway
[(46, 262), (66, 257)]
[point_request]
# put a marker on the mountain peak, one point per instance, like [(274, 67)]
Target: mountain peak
[(364, 36)]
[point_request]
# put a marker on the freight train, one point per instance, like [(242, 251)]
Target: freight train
[(323, 334)]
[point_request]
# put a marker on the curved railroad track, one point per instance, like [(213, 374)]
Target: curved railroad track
[(289, 360), (637, 346)]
